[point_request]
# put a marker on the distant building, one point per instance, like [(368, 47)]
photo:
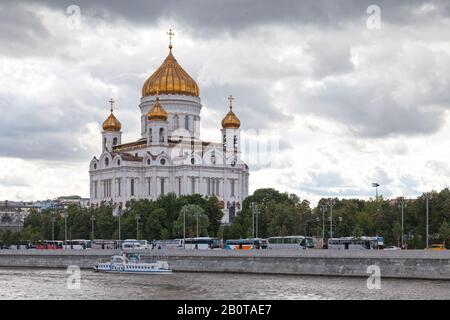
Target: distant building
[(12, 215)]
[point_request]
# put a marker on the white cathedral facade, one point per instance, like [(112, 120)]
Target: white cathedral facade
[(170, 156)]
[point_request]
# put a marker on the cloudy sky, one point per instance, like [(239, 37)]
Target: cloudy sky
[(344, 99)]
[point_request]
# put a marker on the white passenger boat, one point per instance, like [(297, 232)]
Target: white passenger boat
[(132, 263)]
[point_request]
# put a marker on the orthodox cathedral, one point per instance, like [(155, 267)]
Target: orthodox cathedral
[(170, 157)]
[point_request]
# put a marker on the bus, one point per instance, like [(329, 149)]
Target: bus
[(172, 244), (133, 244), (202, 243), (245, 244), (103, 244), (77, 244), (354, 243), (291, 242), (49, 245)]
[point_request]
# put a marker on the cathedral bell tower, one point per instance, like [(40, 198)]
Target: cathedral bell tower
[(231, 135), (111, 135), (157, 125)]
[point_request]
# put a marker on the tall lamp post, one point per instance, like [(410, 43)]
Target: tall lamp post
[(65, 214), (119, 212), (376, 185), (323, 208), (53, 220), (402, 205), (92, 224), (137, 217), (197, 222), (255, 220), (184, 228), (331, 204), (428, 197)]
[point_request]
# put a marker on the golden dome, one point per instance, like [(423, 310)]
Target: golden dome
[(112, 124), (231, 121), (170, 78), (157, 113)]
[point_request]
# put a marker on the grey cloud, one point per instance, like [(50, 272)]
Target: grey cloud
[(371, 111), (20, 29), (206, 17)]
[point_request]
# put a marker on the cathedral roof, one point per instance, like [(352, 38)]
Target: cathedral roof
[(170, 78), (157, 113), (127, 156)]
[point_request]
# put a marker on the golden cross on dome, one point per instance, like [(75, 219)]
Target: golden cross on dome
[(170, 34), (230, 98), (111, 102)]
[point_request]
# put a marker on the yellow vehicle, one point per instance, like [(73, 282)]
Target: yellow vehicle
[(437, 247)]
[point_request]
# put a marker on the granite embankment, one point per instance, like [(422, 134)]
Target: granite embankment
[(414, 264)]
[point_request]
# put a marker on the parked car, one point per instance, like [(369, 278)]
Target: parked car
[(392, 248)]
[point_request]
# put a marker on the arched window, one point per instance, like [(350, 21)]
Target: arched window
[(106, 161), (95, 166), (118, 162), (132, 187), (176, 124), (150, 135), (186, 122), (148, 162), (161, 135), (115, 140)]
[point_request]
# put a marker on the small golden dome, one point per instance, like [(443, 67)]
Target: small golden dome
[(112, 124), (170, 78), (157, 113), (231, 121)]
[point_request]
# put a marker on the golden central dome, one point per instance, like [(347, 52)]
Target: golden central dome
[(157, 113), (111, 123), (170, 78)]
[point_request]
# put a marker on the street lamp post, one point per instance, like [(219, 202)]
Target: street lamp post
[(92, 224), (376, 185), (257, 220), (253, 219), (331, 203), (184, 228), (197, 222), (53, 220), (428, 197), (323, 207), (402, 208), (137, 217), (119, 215), (65, 214)]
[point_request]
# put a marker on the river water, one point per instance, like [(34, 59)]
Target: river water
[(46, 284)]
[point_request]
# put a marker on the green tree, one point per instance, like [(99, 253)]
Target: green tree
[(194, 213)]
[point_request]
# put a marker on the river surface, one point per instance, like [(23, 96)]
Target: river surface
[(46, 284)]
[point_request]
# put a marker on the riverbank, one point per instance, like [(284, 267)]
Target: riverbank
[(408, 264)]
